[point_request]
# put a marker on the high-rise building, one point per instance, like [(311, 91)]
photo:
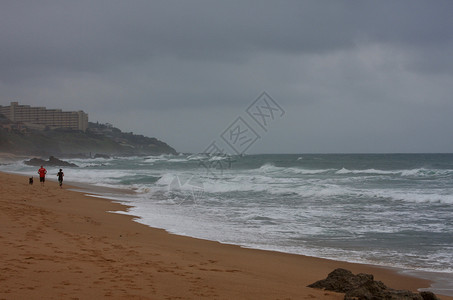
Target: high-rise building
[(54, 118)]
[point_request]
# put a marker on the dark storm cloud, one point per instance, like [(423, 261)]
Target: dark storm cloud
[(204, 61), (93, 35)]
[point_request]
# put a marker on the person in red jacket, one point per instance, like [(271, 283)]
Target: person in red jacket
[(42, 175)]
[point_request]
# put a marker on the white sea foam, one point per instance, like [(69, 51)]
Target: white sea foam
[(97, 176), (422, 172), (266, 168), (269, 168), (166, 179), (416, 197), (306, 171), (367, 171), (156, 158), (238, 185), (197, 157), (320, 209)]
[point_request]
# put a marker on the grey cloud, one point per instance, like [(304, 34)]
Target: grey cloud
[(91, 35), (203, 62)]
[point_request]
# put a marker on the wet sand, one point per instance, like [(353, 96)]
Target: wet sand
[(61, 244)]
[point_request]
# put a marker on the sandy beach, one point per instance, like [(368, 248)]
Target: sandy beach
[(61, 244)]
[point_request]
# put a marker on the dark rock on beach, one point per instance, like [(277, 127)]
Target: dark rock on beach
[(53, 162), (364, 287), (426, 295), (342, 281)]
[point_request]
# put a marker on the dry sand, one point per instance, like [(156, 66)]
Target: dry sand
[(60, 244)]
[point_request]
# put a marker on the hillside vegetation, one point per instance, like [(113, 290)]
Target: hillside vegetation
[(19, 138)]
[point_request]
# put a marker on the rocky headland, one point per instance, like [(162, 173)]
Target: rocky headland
[(99, 139)]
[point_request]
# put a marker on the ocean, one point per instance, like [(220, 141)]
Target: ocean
[(393, 210)]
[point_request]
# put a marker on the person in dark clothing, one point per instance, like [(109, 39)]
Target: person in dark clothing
[(60, 177)]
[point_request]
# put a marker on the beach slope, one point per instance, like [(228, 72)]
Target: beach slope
[(61, 244)]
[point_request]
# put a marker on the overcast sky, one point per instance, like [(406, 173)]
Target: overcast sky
[(349, 76)]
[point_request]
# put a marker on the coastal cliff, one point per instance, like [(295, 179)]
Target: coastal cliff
[(19, 138)]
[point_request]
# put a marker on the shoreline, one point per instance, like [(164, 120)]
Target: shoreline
[(440, 282), (83, 251)]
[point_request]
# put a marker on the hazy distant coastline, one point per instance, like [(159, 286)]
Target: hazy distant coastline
[(20, 139)]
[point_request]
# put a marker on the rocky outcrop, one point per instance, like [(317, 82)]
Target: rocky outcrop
[(364, 287), (52, 162)]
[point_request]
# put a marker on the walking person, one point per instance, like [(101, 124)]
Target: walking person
[(60, 177), (42, 175)]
